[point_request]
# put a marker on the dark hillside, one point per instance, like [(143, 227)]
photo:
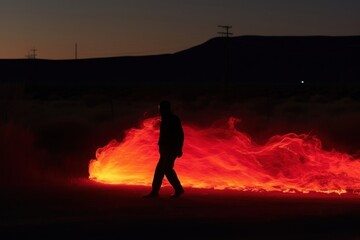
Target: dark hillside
[(237, 60)]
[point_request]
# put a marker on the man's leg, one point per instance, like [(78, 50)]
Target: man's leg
[(157, 179), (173, 178), (158, 176), (175, 182)]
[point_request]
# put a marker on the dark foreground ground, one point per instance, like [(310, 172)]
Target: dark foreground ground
[(58, 132), (82, 209)]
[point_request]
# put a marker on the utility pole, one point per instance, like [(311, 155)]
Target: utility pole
[(226, 34), (76, 51), (31, 54)]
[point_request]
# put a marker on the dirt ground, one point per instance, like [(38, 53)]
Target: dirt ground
[(81, 208), (58, 133)]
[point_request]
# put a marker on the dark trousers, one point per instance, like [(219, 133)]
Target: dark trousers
[(165, 167)]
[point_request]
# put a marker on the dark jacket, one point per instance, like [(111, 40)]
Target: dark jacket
[(171, 135)]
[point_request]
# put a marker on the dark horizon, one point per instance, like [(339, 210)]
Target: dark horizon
[(148, 28), (284, 60), (259, 36)]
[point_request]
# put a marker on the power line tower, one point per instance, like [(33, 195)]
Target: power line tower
[(76, 51), (226, 32), (31, 54)]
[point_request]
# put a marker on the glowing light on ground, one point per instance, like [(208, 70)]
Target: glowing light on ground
[(225, 158)]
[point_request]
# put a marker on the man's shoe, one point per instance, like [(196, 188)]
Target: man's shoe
[(178, 193), (152, 195)]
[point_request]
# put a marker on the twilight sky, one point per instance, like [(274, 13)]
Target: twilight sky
[(104, 28)]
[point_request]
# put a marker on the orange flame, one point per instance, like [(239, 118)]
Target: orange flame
[(225, 158)]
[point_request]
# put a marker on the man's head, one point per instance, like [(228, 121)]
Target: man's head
[(164, 107)]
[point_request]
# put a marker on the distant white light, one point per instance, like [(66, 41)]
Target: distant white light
[(302, 81)]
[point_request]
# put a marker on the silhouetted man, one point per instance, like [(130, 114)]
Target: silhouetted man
[(170, 147)]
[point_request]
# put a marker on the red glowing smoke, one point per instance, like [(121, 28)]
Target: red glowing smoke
[(225, 158)]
